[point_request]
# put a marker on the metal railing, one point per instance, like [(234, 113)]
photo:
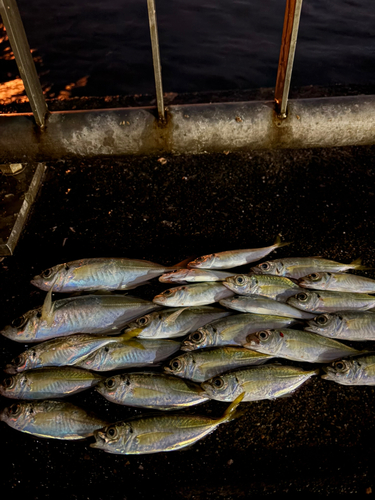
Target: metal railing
[(18, 41)]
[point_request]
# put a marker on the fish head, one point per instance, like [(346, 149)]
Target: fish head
[(18, 415), (265, 341), (24, 361), (222, 387), (307, 300), (55, 276), (196, 340), (328, 324), (314, 280), (145, 326), (344, 371), (12, 387), (25, 327), (115, 438), (204, 262), (110, 386), (179, 365), (269, 267), (240, 283), (170, 297)]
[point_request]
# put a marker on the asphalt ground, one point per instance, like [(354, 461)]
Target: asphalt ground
[(318, 441)]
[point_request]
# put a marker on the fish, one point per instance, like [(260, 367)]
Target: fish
[(151, 390), (198, 294), (160, 433), (356, 371), (297, 345), (100, 274), (186, 276), (52, 419), (263, 305), (65, 351), (257, 382), (297, 267), (234, 258), (129, 354), (47, 383), (273, 287), (345, 325), (203, 364), (233, 330), (173, 322), (95, 314), (322, 301), (338, 282)]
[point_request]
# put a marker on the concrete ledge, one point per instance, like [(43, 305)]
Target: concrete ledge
[(320, 122)]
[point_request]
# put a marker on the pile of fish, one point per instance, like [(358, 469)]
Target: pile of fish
[(297, 309)]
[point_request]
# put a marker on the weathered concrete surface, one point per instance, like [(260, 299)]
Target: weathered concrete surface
[(190, 129), (320, 440)]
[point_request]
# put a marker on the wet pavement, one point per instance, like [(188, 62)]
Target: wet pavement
[(321, 439)]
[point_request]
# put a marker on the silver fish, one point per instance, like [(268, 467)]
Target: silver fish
[(129, 354), (173, 322), (257, 382), (52, 419), (100, 274), (338, 282), (94, 314), (185, 276), (273, 287), (263, 305), (204, 364), (48, 383), (346, 325), (66, 351), (199, 294), (154, 434), (358, 371), (323, 301), (151, 390), (234, 258), (298, 345), (297, 267), (233, 330)]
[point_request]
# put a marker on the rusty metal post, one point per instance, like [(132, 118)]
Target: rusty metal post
[(287, 50), (18, 41), (156, 57)]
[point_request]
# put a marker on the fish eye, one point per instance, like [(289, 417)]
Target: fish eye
[(47, 273), (322, 319), (66, 267), (39, 314), (167, 293), (200, 259), (8, 383), (110, 383), (240, 280), (341, 366), (263, 335), (218, 382), (15, 409), (196, 336), (18, 361), (265, 266), (176, 364), (314, 276), (112, 432), (142, 321), (302, 297), (19, 322)]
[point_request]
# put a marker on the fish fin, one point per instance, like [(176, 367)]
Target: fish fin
[(182, 264), (357, 265), (130, 287), (136, 344), (130, 335), (278, 243), (173, 317), (48, 306), (230, 413)]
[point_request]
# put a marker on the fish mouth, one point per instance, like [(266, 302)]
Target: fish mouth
[(10, 369), (99, 440), (249, 345), (187, 346), (329, 373)]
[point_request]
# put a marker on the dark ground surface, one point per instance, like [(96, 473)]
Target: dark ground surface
[(320, 440)]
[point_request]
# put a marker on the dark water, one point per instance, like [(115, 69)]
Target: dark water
[(103, 48)]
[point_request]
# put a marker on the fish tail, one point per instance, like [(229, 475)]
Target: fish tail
[(183, 264), (357, 264), (278, 243), (231, 412)]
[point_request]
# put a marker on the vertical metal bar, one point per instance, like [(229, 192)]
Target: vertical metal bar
[(156, 57), (286, 59), (18, 41)]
